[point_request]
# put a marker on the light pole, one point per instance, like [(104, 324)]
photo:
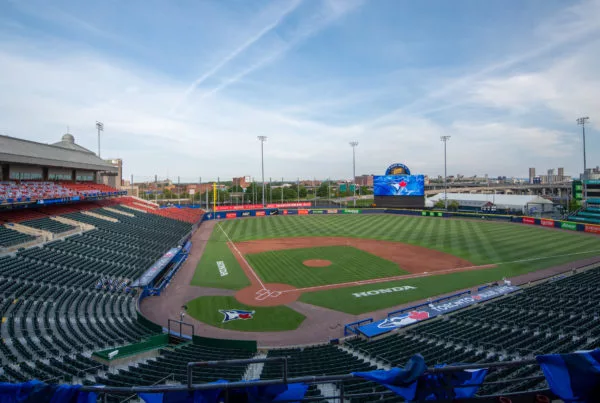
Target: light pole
[(445, 140), (353, 144), (581, 121), (262, 163), (100, 127)]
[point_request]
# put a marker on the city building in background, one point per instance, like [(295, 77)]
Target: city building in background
[(364, 180), (549, 178), (113, 178), (531, 175), (591, 174)]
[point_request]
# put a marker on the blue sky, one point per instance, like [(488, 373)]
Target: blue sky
[(184, 88)]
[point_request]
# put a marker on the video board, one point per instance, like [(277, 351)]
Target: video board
[(399, 185)]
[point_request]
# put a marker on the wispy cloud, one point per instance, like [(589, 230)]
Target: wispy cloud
[(54, 14), (330, 11), (576, 23), (290, 7)]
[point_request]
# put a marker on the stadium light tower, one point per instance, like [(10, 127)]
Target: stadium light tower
[(353, 144), (581, 121), (262, 163), (445, 140), (100, 127)]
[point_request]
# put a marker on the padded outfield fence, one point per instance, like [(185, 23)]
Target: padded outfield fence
[(238, 212)]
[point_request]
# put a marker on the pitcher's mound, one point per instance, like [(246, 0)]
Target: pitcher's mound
[(317, 263), (269, 295)]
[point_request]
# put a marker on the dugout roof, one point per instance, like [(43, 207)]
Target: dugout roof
[(64, 154)]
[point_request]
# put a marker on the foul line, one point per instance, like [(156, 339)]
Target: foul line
[(242, 257), (427, 274), (386, 279)]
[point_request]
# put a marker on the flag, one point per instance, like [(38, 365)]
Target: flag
[(575, 378)]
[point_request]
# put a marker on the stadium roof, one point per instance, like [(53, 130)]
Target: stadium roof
[(500, 200), (65, 154)]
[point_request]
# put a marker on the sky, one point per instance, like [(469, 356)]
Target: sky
[(184, 88)]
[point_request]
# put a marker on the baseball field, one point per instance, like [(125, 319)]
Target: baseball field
[(356, 264)]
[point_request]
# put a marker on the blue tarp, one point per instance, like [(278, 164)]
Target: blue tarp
[(575, 378), (38, 392), (413, 383), (251, 394)]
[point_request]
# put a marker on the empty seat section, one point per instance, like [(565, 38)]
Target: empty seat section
[(9, 237), (48, 224)]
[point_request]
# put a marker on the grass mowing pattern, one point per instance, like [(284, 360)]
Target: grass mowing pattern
[(207, 272), (348, 264), (343, 299), (481, 242), (266, 319)]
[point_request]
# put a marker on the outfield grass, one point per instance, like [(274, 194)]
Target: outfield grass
[(480, 242), (207, 272), (517, 249), (266, 319), (348, 264), (343, 299)]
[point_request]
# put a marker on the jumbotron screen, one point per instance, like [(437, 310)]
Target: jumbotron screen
[(399, 185)]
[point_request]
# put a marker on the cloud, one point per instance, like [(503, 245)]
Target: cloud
[(569, 27), (502, 121), (565, 88), (317, 20), (276, 20)]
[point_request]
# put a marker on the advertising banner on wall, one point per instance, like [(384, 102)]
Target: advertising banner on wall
[(594, 229), (423, 312), (568, 225), (528, 220), (259, 206)]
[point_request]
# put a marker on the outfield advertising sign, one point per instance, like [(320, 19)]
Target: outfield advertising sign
[(594, 229), (546, 222), (568, 225), (419, 313), (260, 206), (350, 211), (528, 220)]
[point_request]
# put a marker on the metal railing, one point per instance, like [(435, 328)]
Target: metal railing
[(181, 324), (313, 380)]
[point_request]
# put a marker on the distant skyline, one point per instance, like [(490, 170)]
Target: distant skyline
[(184, 88)]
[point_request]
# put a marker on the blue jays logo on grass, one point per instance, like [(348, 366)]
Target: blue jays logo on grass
[(403, 319), (234, 314)]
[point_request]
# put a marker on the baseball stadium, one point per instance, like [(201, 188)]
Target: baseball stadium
[(116, 298), (301, 201)]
